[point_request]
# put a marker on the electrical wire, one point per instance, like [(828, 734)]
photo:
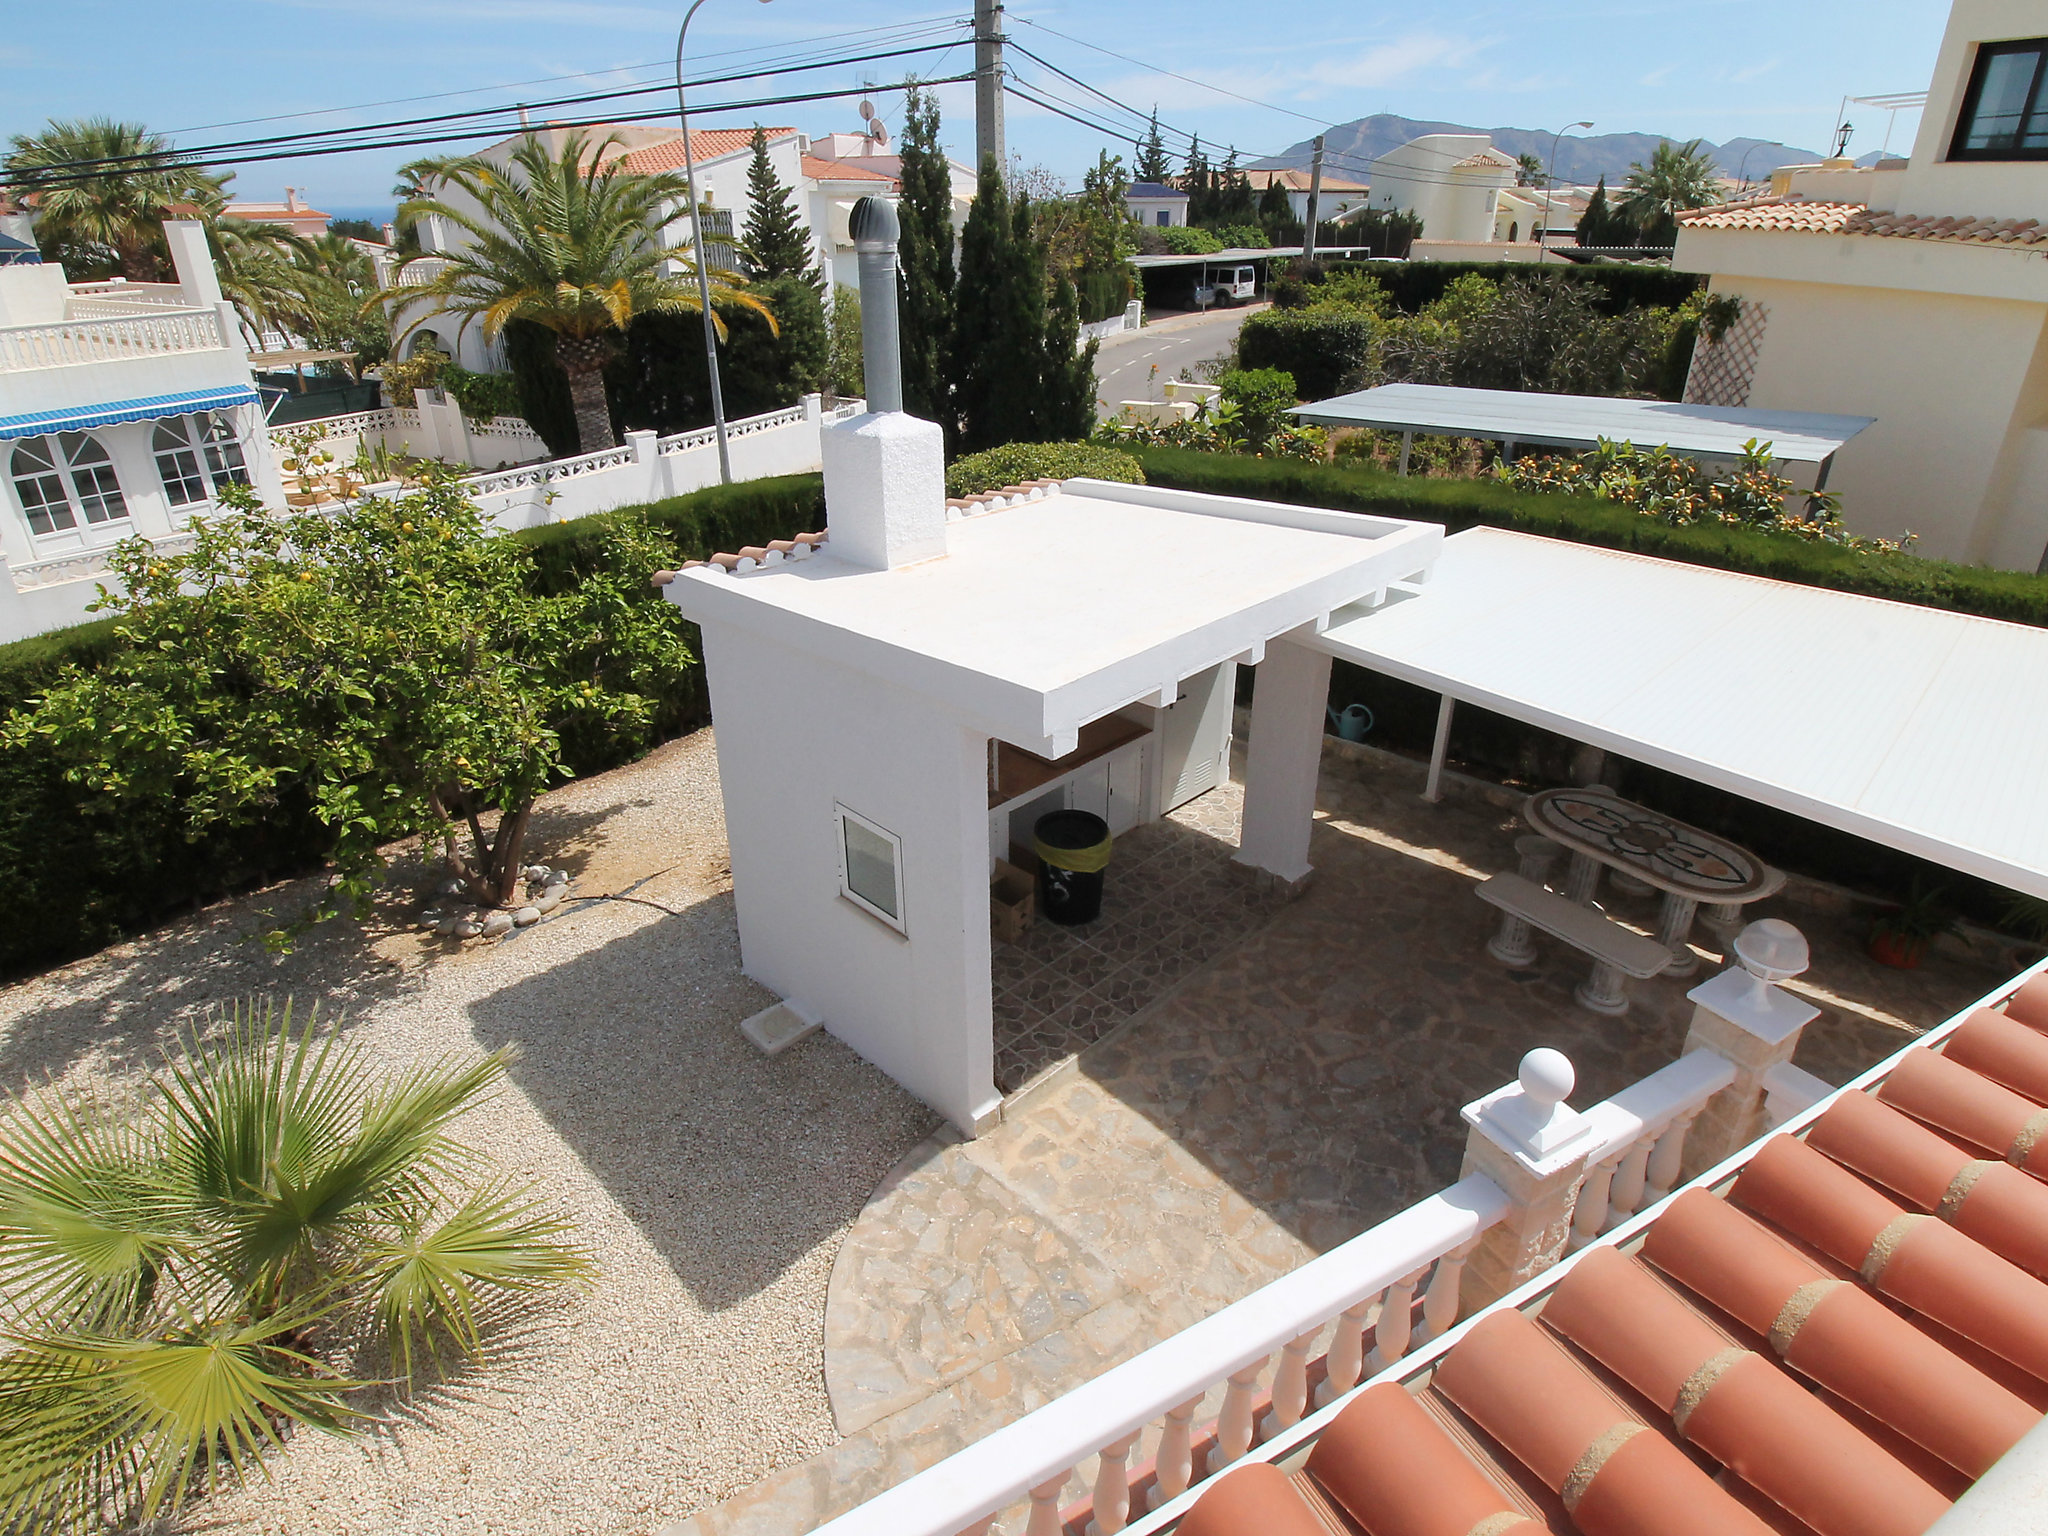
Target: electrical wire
[(707, 109), (908, 28), (211, 153), (1170, 74)]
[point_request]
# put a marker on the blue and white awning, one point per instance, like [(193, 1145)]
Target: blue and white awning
[(82, 418)]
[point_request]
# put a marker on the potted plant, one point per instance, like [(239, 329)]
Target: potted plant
[(1900, 937)]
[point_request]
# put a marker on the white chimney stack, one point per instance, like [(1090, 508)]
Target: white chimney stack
[(885, 470)]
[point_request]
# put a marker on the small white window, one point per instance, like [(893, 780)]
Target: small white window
[(197, 456), (870, 867)]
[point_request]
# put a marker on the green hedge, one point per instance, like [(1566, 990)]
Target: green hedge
[(1321, 347), (1524, 755), (1015, 463), (81, 875), (1461, 504), (1415, 284)]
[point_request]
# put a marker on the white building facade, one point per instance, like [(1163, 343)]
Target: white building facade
[(1156, 205), (1451, 181), (1915, 292), (125, 408)]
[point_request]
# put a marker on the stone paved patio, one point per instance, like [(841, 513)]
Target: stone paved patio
[(1298, 1087)]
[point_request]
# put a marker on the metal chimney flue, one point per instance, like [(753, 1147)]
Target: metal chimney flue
[(875, 231), (885, 470)]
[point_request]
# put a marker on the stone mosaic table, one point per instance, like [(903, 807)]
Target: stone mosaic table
[(1604, 831)]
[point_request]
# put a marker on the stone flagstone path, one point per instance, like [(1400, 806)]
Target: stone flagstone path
[(1299, 1087)]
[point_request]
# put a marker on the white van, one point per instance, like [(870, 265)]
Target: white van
[(1228, 285)]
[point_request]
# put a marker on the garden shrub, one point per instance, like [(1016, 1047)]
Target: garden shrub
[(1262, 397), (80, 877), (1322, 347), (1015, 463)]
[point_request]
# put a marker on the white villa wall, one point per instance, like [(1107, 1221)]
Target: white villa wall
[(1424, 177), (1941, 369), (1981, 189), (797, 735)]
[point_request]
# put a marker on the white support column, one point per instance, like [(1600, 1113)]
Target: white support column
[(1433, 791), (1284, 758)]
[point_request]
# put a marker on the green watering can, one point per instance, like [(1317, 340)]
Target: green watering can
[(1352, 724)]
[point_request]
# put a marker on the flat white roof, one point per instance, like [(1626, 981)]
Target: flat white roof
[(1580, 421), (1920, 729), (1047, 614)]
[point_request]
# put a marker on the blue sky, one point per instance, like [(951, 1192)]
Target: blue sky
[(1714, 68)]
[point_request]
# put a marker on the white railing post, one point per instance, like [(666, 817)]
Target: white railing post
[(1625, 1192), (1045, 1508), (1234, 1423), (1534, 1147), (1345, 1362), (1113, 1488), (1589, 1220), (1753, 1024), (1440, 1301), (1290, 1381), (1661, 1176), (1396, 1326), (1173, 1468)]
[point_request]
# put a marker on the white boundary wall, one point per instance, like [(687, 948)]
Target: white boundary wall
[(647, 468)]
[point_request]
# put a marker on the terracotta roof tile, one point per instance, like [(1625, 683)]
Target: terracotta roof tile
[(705, 144), (1851, 1332), (1803, 216), (820, 169)]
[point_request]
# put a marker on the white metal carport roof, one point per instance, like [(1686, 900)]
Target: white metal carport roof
[(1581, 421), (1917, 728)]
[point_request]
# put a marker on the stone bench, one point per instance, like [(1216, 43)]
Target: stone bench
[(1617, 952)]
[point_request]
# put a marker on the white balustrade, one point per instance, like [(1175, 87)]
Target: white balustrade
[(132, 295), (1036, 1456), (109, 340), (1641, 1142), (1112, 1498)]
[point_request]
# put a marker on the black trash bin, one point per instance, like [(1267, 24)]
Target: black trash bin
[(1073, 850)]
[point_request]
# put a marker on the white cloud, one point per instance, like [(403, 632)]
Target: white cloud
[(1761, 67)]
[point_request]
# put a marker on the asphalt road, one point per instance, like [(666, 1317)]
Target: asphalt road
[(1124, 367)]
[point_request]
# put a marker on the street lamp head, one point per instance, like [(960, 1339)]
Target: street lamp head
[(1582, 125)]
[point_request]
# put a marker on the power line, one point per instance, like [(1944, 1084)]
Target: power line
[(908, 28), (1170, 74), (709, 109), (214, 153)]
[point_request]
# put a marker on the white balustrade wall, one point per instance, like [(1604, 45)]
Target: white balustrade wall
[(54, 593), (124, 332)]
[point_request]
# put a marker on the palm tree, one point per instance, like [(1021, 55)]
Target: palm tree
[(180, 1278), (117, 213), (1529, 171), (1677, 178), (569, 241)]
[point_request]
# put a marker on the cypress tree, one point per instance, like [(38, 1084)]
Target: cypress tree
[(1595, 224), (1197, 181), (980, 374), (1153, 164), (926, 292), (774, 239), (1069, 394)]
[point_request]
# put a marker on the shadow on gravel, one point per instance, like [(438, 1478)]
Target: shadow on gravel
[(733, 1165)]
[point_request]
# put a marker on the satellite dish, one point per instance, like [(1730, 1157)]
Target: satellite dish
[(877, 132), (867, 111)]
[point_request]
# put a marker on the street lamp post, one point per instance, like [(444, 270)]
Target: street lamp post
[(697, 242), (1550, 189), (1742, 171)]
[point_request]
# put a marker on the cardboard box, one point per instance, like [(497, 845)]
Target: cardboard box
[(1012, 903)]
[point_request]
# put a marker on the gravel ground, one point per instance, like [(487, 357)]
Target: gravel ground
[(713, 1185)]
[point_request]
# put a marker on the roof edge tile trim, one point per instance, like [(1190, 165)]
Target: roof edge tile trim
[(1798, 215)]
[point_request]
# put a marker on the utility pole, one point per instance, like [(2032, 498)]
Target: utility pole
[(1315, 199), (988, 85)]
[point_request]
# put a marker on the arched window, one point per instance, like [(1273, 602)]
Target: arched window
[(427, 341), (52, 505), (1514, 230), (197, 456)]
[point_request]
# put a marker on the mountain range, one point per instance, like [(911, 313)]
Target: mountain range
[(1350, 148)]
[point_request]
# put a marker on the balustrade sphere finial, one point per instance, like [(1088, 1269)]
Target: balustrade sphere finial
[(1547, 1076)]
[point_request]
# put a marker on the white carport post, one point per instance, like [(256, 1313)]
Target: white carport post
[(1433, 790), (1291, 690)]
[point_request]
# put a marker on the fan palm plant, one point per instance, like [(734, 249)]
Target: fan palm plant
[(116, 213), (181, 1278), (570, 241), (1677, 179)]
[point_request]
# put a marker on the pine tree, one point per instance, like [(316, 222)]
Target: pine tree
[(774, 240), (1153, 162), (925, 252), (1235, 202), (981, 373)]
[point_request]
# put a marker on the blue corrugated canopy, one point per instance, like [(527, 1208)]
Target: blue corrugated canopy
[(82, 418), (18, 253)]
